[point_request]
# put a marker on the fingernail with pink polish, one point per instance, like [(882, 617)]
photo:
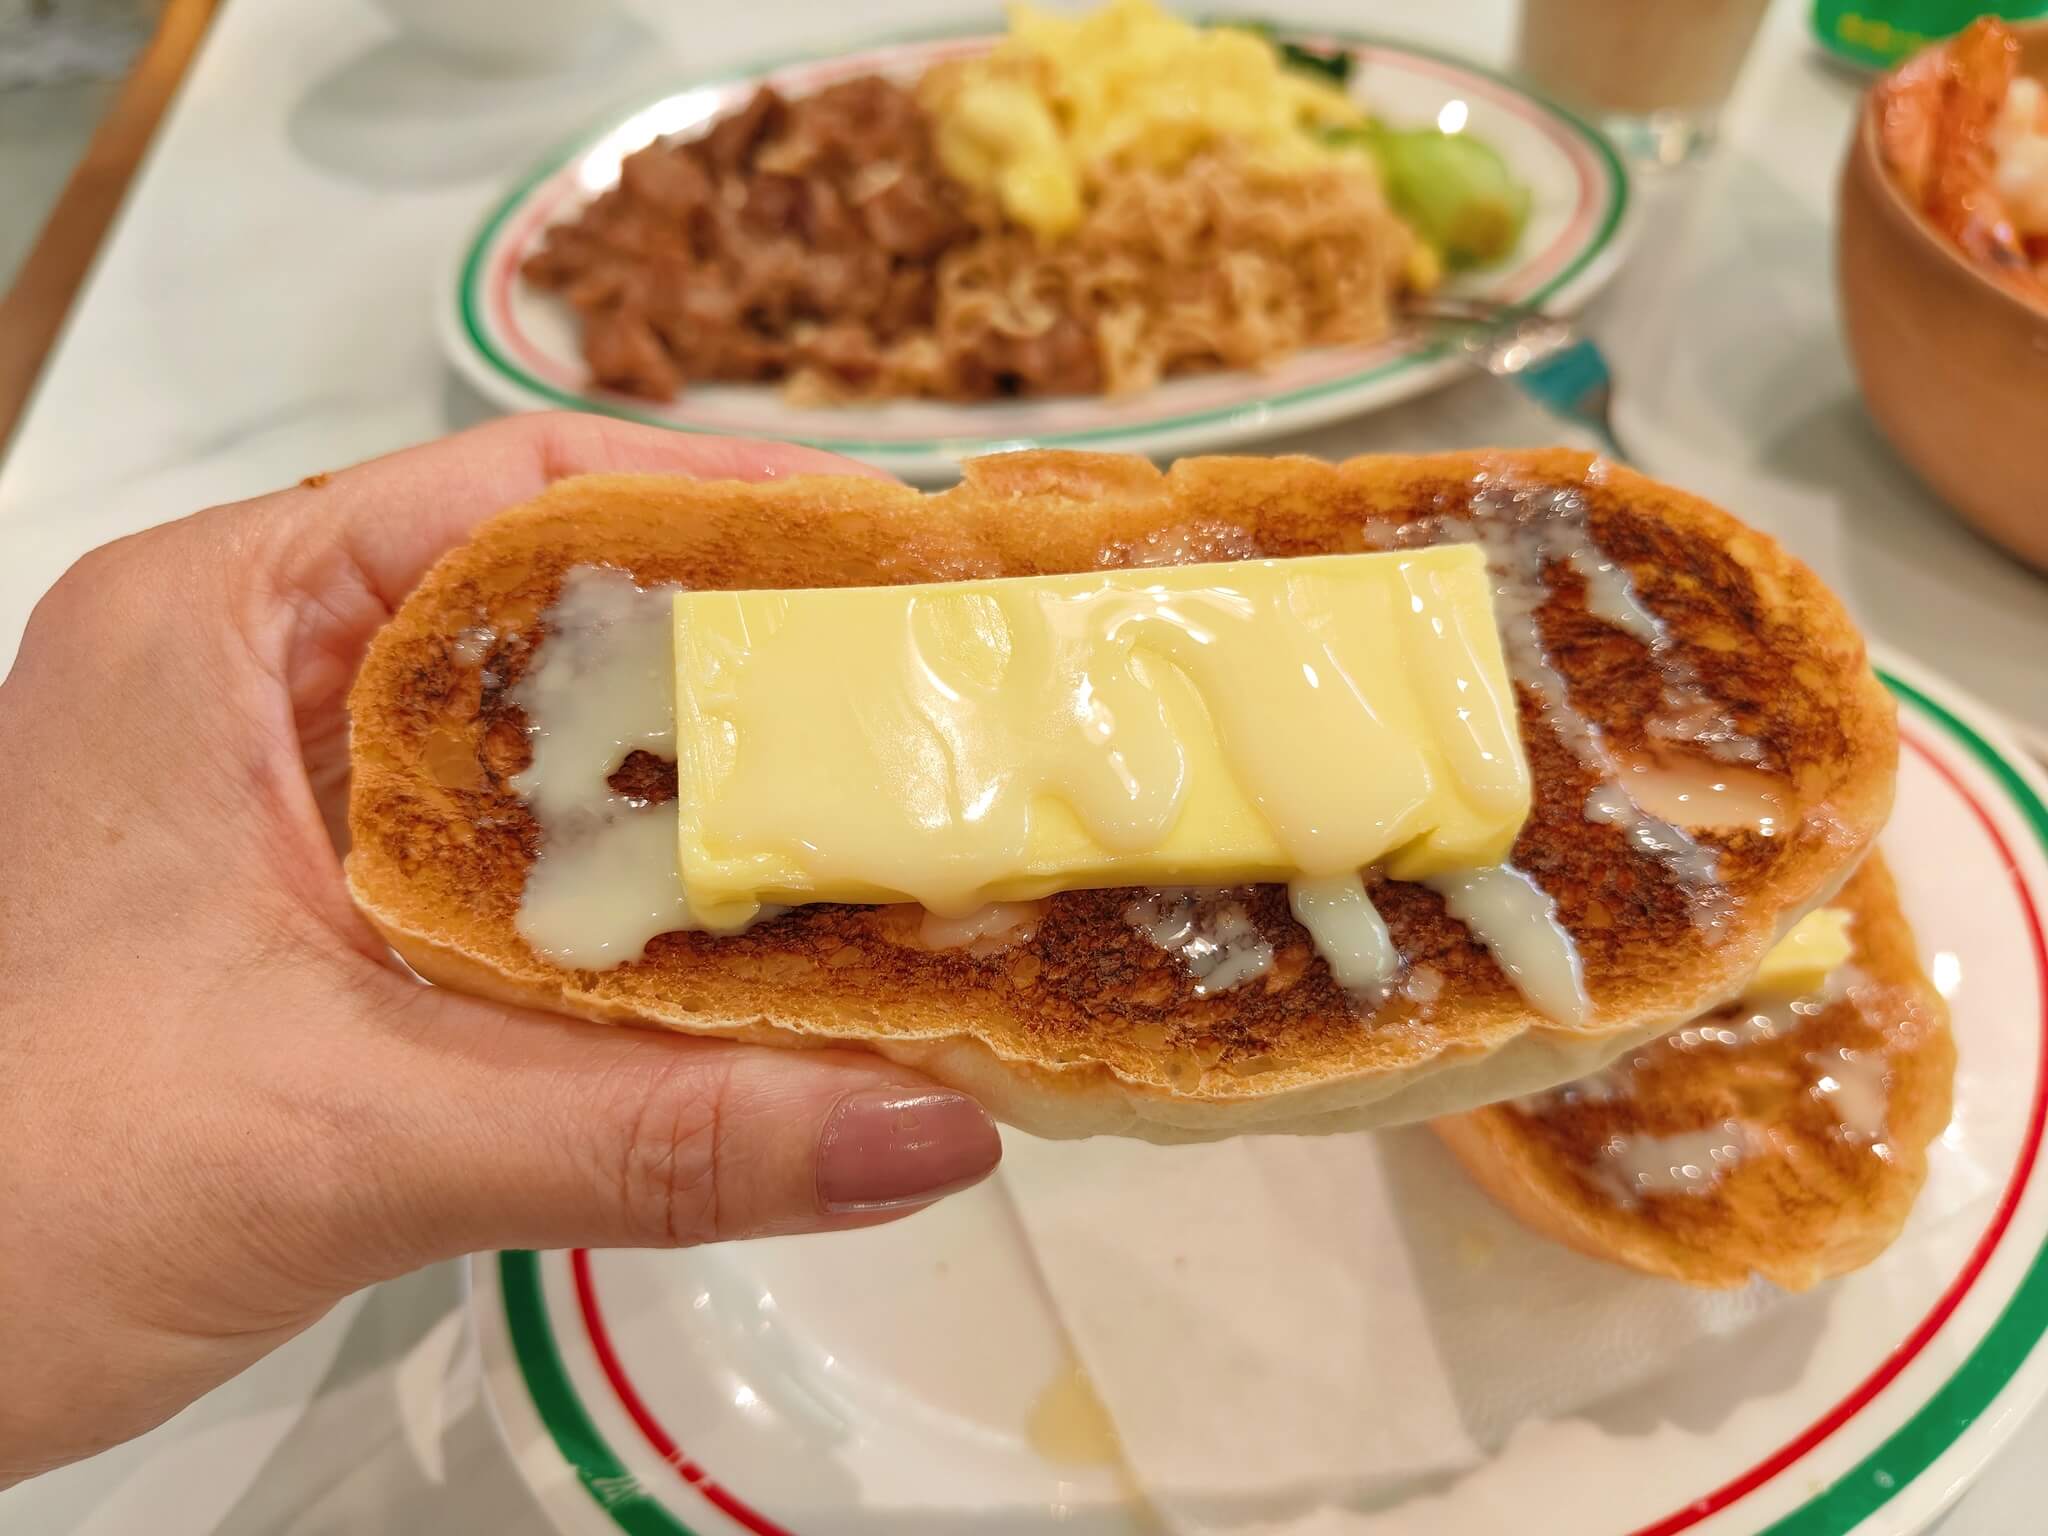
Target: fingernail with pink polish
[(883, 1148)]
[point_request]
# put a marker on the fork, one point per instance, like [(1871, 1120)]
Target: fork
[(1545, 356)]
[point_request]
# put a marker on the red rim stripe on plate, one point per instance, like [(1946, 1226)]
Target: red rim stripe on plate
[(638, 1411), (1728, 1493)]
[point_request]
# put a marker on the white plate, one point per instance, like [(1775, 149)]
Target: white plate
[(519, 346), (877, 1383)]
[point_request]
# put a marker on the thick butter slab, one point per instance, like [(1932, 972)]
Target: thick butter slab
[(1801, 961), (981, 741)]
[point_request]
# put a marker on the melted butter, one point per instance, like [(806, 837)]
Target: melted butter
[(971, 742), (985, 931), (1347, 930), (474, 644), (1813, 956), (1687, 1163), (604, 880), (1069, 1425), (1516, 920), (1210, 932), (450, 759), (1708, 795)]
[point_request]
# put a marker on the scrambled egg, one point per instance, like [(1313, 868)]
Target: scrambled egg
[(1126, 84)]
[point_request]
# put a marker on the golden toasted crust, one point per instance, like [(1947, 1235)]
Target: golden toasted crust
[(1088, 1027), (1806, 1202)]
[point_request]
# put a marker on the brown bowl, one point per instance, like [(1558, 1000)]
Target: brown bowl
[(1953, 364)]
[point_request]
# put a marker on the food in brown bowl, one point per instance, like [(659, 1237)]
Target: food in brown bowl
[(1942, 260)]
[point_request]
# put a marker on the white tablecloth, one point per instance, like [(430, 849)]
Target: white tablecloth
[(262, 311)]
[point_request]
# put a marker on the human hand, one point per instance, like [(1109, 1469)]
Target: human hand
[(225, 1108)]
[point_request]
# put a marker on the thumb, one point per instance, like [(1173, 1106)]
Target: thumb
[(505, 1128)]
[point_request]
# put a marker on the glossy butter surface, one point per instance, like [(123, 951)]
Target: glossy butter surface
[(983, 741), (1802, 960)]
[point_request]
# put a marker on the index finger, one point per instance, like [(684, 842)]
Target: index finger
[(394, 516)]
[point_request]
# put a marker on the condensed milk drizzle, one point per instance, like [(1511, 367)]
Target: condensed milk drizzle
[(987, 930), (1516, 919), (1347, 930), (604, 881), (1852, 1083), (1856, 1085), (1687, 1163), (1690, 717), (1523, 532), (1211, 932)]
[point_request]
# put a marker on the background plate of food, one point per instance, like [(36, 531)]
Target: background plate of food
[(1119, 231), (1345, 1334)]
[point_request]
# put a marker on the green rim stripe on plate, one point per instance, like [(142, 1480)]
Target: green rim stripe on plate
[(1836, 1510), (604, 1477), (1942, 1419), (1618, 195)]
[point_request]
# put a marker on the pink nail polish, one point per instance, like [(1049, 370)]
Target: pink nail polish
[(883, 1148)]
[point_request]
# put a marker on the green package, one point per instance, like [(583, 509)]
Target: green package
[(1879, 33)]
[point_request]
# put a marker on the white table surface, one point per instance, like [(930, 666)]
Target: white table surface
[(262, 311)]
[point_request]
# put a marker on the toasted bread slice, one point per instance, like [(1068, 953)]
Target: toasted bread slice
[(1089, 1027), (1834, 1112)]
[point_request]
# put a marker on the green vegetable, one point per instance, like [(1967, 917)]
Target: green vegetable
[(1454, 190), (1334, 67)]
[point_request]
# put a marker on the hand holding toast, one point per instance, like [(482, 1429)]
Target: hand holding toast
[(226, 1107)]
